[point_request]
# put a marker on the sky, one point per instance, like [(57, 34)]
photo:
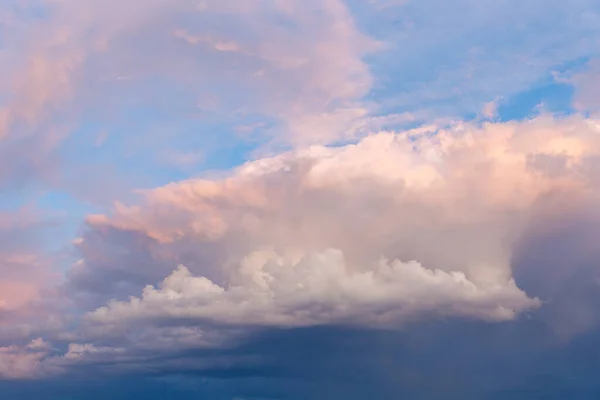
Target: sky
[(299, 199)]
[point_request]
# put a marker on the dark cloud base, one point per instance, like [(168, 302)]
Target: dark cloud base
[(447, 359)]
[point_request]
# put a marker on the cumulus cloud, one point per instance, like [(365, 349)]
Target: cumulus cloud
[(395, 228), (319, 289), (401, 226)]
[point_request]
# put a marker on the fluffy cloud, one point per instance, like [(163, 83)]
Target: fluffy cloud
[(319, 289), (394, 228)]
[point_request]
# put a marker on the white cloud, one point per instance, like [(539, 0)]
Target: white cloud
[(269, 289)]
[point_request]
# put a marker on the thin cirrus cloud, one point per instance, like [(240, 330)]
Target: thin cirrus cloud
[(373, 203)]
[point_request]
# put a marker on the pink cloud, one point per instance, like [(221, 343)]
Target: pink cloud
[(455, 203), (391, 229), (321, 65), (25, 269), (23, 362)]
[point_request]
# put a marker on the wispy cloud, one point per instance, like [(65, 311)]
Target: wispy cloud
[(586, 88)]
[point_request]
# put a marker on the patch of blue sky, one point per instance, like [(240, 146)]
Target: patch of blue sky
[(11, 202), (66, 213), (449, 63), (162, 137), (553, 94), (555, 98)]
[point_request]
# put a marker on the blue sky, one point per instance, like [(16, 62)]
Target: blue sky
[(239, 199)]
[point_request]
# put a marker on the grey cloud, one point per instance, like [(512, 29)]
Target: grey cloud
[(557, 260)]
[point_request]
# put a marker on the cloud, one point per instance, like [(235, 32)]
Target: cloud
[(319, 289), (586, 88), (22, 269), (394, 229), (216, 44), (294, 66), (306, 70), (556, 259), (82, 44), (20, 362)]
